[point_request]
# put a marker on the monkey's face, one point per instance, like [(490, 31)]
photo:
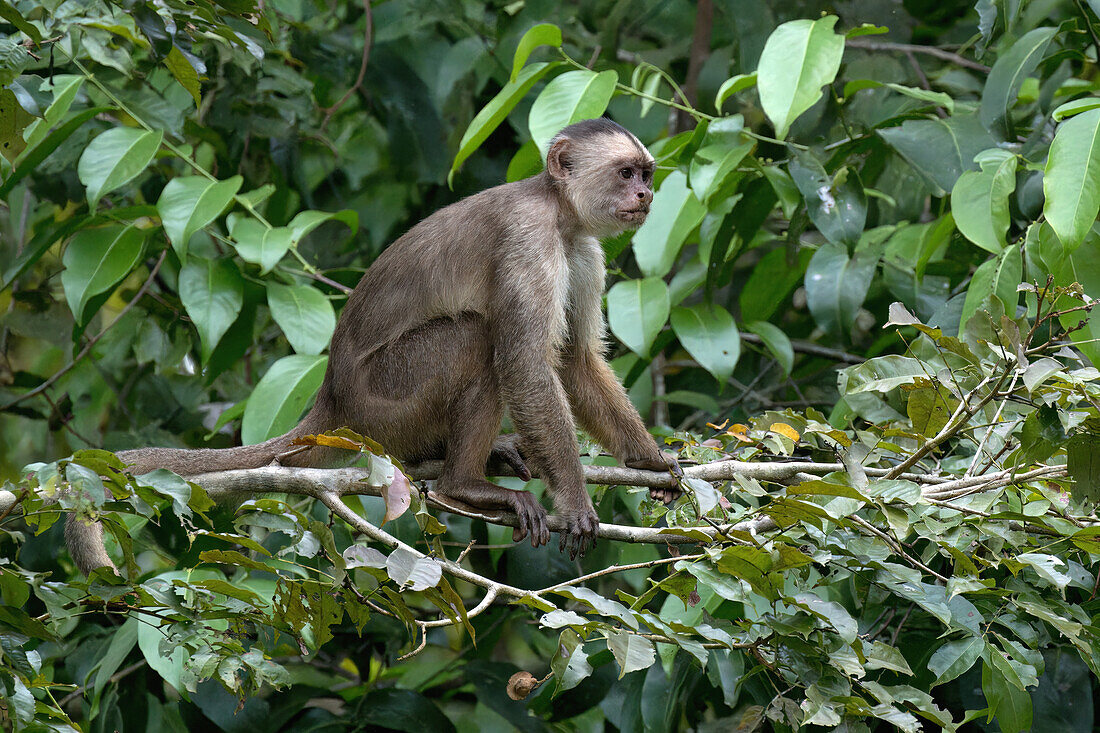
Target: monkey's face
[(633, 192)]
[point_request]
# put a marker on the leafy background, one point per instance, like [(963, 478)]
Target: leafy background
[(189, 188)]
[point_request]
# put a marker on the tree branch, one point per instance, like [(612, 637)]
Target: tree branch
[(914, 48)]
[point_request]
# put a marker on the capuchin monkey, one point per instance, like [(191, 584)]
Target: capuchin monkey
[(490, 303)]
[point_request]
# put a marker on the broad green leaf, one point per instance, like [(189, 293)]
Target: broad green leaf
[(924, 95), (940, 150), (543, 34), (306, 221), (775, 341), (770, 282), (710, 335), (1083, 465), (837, 284), (1080, 266), (115, 157), (189, 203), (570, 663), (1004, 80), (929, 409), (997, 277), (837, 206), (277, 403), (305, 315), (1071, 181), (631, 651), (715, 162), (493, 113), (732, 86), (13, 121), (568, 98), (1074, 107), (65, 88), (675, 212), (212, 291), (10, 14), (185, 73), (979, 202), (799, 58), (260, 245), (1050, 568), (95, 261), (636, 312), (1005, 693), (884, 373), (835, 614)]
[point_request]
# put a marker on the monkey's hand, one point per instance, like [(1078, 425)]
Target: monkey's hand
[(660, 462), (507, 451), (582, 528)]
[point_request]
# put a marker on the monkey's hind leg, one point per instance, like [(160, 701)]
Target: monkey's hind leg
[(474, 420)]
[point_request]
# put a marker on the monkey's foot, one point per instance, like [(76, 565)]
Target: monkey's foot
[(580, 534), (662, 462), (506, 450), (532, 519)]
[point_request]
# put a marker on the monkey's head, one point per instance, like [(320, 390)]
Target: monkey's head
[(604, 173)]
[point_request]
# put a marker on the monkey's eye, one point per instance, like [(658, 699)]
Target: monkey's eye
[(627, 173), (646, 175)]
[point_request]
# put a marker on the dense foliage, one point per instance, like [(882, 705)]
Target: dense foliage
[(872, 250)]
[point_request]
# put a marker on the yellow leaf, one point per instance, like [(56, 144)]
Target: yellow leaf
[(785, 430)]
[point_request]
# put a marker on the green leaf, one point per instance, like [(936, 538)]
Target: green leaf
[(1071, 181), (799, 58), (306, 221), (115, 157), (979, 201), (836, 284), (732, 86), (710, 335), (940, 150), (884, 373), (770, 282), (1074, 107), (493, 113), (929, 409), (636, 312), (543, 34), (998, 278), (718, 158), (212, 291), (775, 341), (305, 315), (675, 212), (278, 401), (837, 207), (260, 245), (1004, 693), (924, 95), (1004, 80), (631, 651), (10, 14), (189, 203), (1083, 465), (65, 88), (568, 98), (95, 261), (185, 74)]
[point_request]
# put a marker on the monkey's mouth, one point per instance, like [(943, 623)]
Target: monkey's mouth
[(636, 214)]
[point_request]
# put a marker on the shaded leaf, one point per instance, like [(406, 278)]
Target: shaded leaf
[(281, 396)]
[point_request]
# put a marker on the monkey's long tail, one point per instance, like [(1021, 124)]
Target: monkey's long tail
[(85, 538)]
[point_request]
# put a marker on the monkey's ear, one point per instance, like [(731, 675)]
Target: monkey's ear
[(557, 160)]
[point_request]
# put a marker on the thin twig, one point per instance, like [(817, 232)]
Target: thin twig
[(330, 111), (913, 48)]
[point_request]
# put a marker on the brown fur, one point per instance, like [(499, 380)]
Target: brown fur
[(489, 303)]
